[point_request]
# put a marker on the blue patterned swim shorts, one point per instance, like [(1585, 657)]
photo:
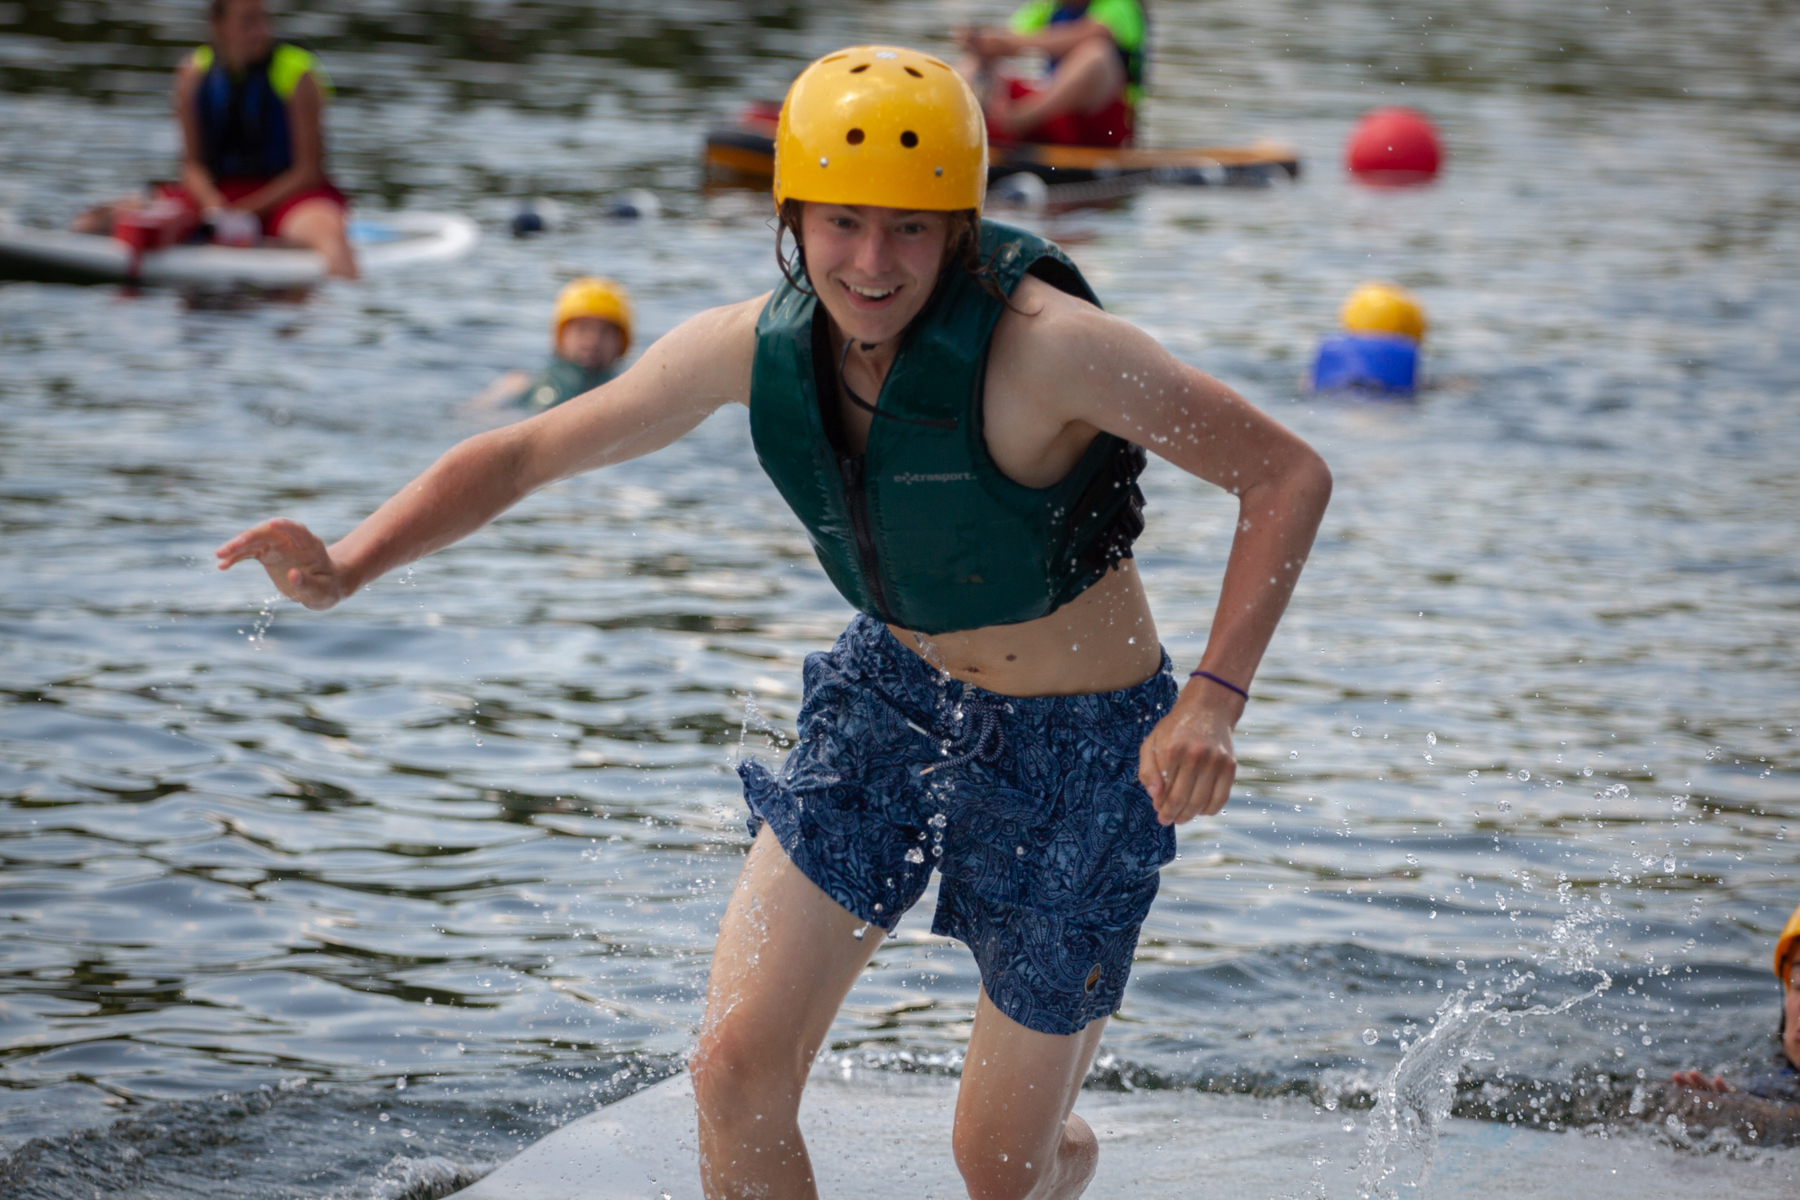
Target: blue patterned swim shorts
[(1029, 806)]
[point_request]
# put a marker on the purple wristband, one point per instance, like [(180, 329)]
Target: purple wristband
[(1224, 683)]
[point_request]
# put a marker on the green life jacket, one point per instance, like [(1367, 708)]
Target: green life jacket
[(561, 380), (922, 530)]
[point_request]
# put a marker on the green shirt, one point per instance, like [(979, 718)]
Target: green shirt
[(561, 380), (1124, 19)]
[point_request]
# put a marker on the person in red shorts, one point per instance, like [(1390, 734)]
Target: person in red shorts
[(252, 123), (1096, 50)]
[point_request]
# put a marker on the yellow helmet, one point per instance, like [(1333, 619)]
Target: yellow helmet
[(1786, 945), (1383, 308), (882, 125), (591, 296)]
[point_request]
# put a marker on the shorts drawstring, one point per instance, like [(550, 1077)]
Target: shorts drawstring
[(983, 737)]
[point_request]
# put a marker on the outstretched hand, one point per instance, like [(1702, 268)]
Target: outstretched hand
[(1699, 1082), (1187, 763), (296, 560)]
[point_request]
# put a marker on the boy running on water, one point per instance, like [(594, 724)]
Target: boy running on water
[(958, 425), (590, 330)]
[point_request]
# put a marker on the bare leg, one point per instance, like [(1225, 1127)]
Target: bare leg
[(786, 957), (1085, 81), (100, 218), (319, 225), (1017, 1137)]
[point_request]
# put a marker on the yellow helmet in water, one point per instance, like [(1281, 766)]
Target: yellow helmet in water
[(591, 296), (1383, 308), (1786, 945), (882, 125)]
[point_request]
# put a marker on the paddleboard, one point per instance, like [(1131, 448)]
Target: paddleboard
[(382, 243), (746, 154), (880, 1135)]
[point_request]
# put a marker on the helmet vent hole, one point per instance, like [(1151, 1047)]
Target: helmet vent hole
[(859, 70), (909, 139), (913, 73), (854, 137)]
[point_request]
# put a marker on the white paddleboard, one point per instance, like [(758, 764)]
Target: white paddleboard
[(887, 1136), (382, 243)]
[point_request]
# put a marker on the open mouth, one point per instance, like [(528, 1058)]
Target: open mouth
[(872, 295)]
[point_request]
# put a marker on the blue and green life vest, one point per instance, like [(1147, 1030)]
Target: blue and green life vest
[(1124, 19), (561, 380), (244, 131), (922, 529)]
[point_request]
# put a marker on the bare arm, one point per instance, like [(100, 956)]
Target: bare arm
[(685, 376), (194, 176), (1097, 372), (989, 42)]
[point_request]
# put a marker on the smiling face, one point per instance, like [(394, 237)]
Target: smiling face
[(241, 33), (873, 268)]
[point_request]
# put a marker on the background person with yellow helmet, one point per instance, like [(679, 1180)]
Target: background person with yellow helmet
[(959, 427), (590, 330), (1780, 1079)]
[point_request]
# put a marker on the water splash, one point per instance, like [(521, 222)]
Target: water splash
[(259, 628), (405, 1178), (1411, 1104), (753, 722)]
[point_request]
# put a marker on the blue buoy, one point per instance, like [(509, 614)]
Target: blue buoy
[(1368, 362)]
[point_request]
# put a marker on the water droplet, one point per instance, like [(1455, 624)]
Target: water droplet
[(1370, 1037), (1524, 775), (915, 855), (1356, 731), (1293, 754), (858, 933), (1431, 739)]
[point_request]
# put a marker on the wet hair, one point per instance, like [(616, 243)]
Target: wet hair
[(962, 249)]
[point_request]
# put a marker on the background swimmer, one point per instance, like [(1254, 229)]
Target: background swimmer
[(1780, 1080), (590, 330)]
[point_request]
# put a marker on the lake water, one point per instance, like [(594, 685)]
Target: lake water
[(341, 905)]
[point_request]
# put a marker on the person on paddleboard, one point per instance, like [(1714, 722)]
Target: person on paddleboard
[(1779, 1080), (1097, 50), (252, 112), (590, 330), (960, 427)]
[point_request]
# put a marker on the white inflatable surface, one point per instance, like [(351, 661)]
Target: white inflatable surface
[(382, 243), (888, 1136)]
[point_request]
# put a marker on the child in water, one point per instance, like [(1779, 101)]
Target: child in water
[(590, 330), (1781, 1080)]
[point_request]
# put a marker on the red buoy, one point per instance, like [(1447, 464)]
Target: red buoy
[(1393, 145)]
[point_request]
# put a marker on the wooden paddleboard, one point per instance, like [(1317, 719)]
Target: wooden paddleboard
[(746, 154), (381, 242), (885, 1136)]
